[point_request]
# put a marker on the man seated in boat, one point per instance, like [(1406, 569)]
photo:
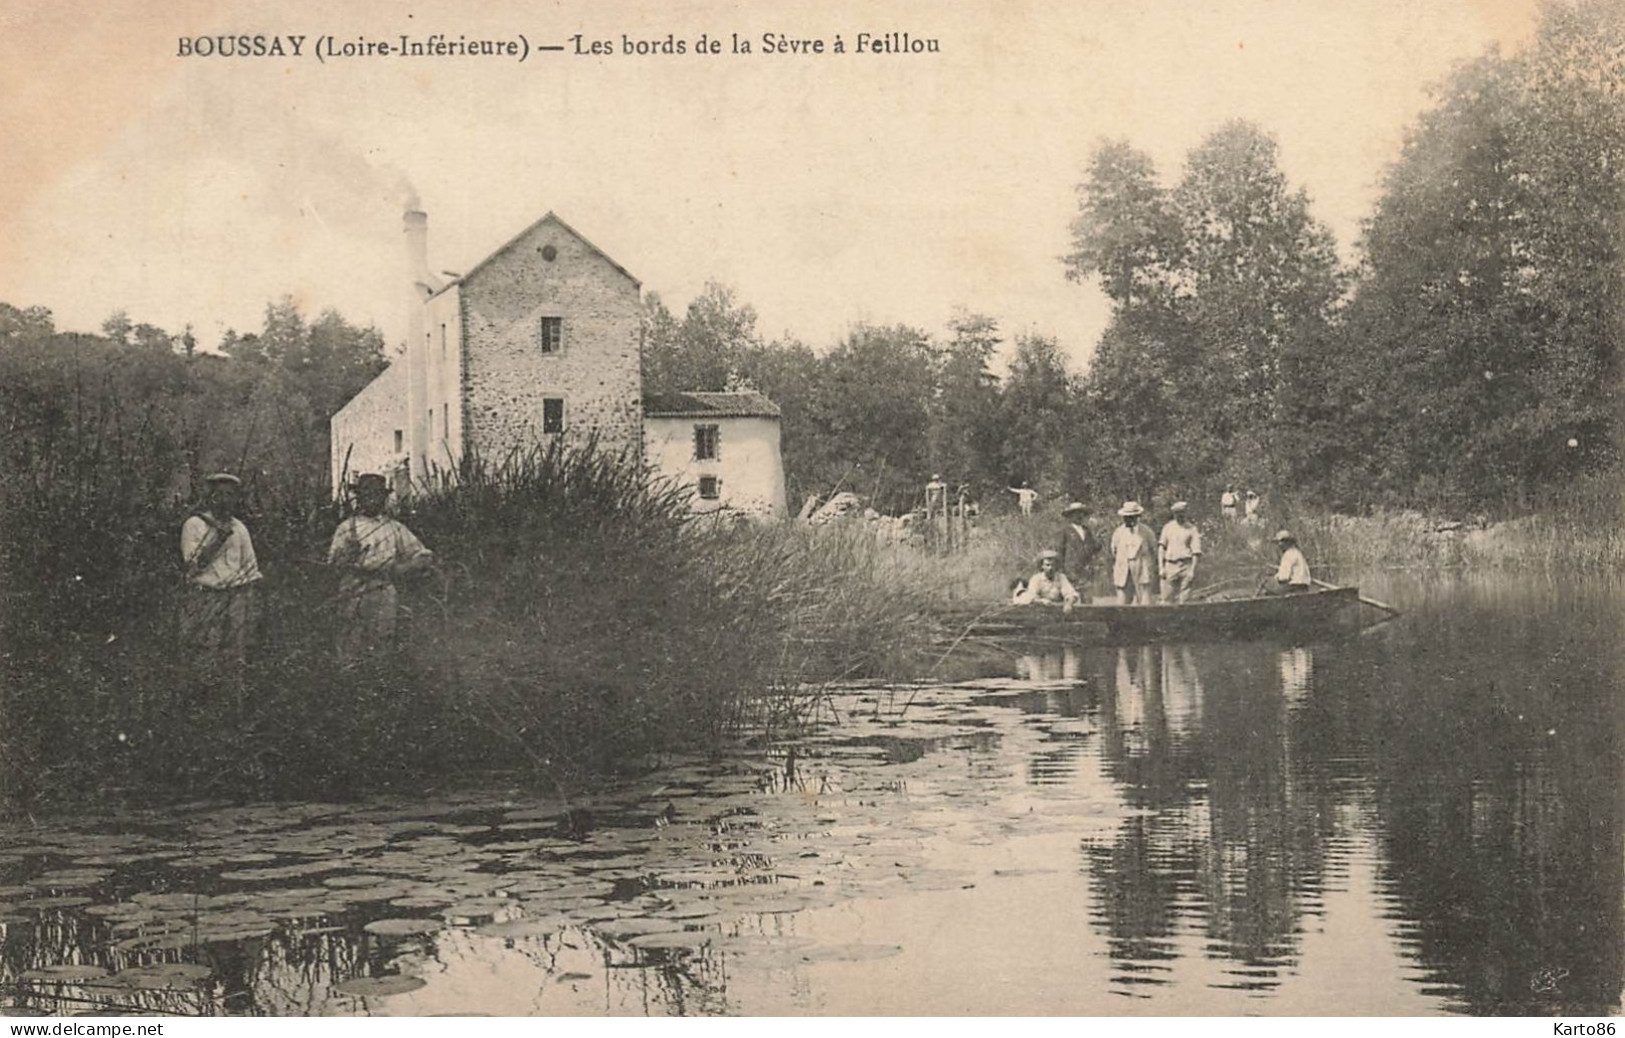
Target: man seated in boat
[(1292, 576), (1047, 587)]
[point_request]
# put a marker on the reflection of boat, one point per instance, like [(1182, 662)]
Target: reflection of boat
[(1320, 611)]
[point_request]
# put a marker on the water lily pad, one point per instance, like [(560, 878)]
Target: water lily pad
[(358, 881), (541, 927), (637, 926), (403, 927), (66, 973), (473, 911), (849, 952), (68, 879), (170, 976), (672, 940), (420, 901), (379, 987), (43, 903)]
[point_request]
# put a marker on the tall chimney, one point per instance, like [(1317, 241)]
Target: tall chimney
[(418, 282)]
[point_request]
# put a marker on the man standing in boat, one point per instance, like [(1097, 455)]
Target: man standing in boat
[(372, 550), (1133, 567), (1078, 544), (1292, 576), (1177, 551), (1048, 586)]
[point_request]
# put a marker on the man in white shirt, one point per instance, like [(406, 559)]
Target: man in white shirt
[(1048, 586), (220, 607), (1026, 497), (1177, 551), (1133, 570), (371, 549), (1228, 503), (1292, 576)]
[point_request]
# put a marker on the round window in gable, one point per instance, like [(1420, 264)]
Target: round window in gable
[(549, 253)]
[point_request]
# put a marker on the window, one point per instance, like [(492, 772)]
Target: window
[(553, 414), (550, 334), (442, 342), (399, 437), (710, 488), (707, 440), (445, 420), (431, 425)]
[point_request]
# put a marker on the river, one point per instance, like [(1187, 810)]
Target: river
[(1422, 819)]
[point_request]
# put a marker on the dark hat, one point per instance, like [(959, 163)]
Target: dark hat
[(370, 481)]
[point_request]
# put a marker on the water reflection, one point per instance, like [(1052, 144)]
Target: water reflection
[(1424, 820)]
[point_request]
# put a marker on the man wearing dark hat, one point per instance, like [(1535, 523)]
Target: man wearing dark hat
[(372, 550), (1177, 551), (219, 610), (1077, 544)]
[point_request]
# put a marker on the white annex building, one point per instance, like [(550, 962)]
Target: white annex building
[(542, 339)]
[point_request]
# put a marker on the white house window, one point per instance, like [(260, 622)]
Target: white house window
[(550, 334), (707, 442), (553, 414), (442, 342), (398, 438), (710, 488)]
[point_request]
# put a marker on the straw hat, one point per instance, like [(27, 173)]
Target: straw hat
[(1131, 508), (1284, 535), (1048, 553), (1178, 506), (1075, 507)]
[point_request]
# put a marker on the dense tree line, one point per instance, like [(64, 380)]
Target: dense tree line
[(1468, 360)]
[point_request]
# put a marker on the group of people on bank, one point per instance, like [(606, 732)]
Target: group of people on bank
[(369, 552), (1144, 569)]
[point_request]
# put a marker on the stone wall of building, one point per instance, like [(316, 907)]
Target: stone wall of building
[(369, 433), (550, 272)]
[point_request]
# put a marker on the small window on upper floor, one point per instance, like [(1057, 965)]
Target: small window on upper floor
[(710, 488), (553, 414), (442, 342), (550, 334), (399, 436), (707, 442)]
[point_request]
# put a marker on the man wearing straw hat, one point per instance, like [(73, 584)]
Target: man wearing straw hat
[(1048, 586), (1177, 551), (220, 607), (371, 549), (1078, 544), (1292, 577), (1133, 571)]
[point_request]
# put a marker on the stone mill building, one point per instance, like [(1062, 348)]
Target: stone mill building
[(542, 340)]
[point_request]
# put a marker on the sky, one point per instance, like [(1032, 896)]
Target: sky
[(825, 189)]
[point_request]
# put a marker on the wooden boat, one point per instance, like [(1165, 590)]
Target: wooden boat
[(1324, 610)]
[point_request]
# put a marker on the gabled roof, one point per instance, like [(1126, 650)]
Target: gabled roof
[(709, 405), (550, 215)]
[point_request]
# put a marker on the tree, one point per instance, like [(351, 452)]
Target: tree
[(1034, 408), (966, 434), (1486, 329), (1214, 285), (704, 350)]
